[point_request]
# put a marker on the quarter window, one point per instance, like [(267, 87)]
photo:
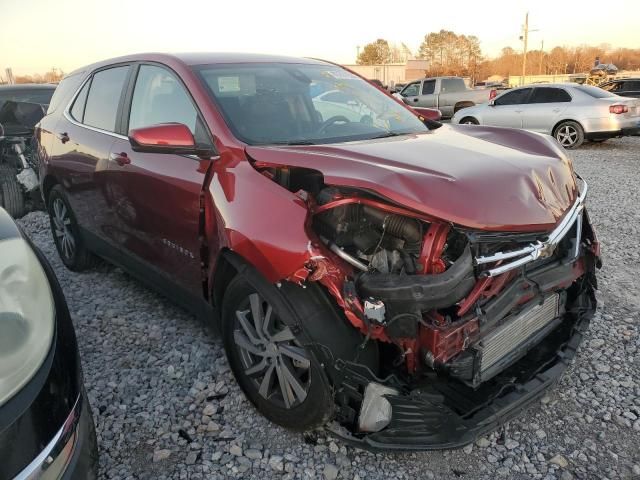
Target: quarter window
[(77, 111), (515, 97), (104, 97), (549, 95), (159, 97)]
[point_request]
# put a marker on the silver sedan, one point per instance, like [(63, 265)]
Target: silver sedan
[(570, 112)]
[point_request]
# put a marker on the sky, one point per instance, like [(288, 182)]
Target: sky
[(36, 35)]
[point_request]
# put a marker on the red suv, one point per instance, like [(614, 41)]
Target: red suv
[(406, 283)]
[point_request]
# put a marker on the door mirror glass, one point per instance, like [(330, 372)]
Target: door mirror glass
[(173, 138)]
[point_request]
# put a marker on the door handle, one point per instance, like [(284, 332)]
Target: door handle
[(415, 99), (121, 159), (555, 110), (518, 111), (63, 137)]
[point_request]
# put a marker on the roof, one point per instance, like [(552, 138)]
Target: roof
[(29, 86), (203, 58)]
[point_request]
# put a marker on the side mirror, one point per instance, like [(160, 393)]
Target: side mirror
[(173, 138)]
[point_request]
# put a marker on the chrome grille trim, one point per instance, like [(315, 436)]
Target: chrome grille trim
[(504, 339), (539, 249)]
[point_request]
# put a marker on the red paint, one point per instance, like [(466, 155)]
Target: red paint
[(432, 246), (428, 113), (172, 134), (177, 214)]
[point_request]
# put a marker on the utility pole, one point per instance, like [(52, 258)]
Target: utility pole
[(357, 53), (525, 38), (541, 56)]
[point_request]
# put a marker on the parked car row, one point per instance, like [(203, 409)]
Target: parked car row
[(571, 113), (370, 270)]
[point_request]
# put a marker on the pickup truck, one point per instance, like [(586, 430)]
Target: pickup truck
[(447, 94)]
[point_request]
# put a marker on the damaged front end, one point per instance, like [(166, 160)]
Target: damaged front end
[(470, 326)]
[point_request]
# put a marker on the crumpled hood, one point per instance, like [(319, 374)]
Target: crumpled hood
[(486, 178)]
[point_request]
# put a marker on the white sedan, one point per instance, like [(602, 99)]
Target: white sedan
[(568, 111)]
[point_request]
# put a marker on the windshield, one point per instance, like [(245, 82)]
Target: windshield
[(282, 103), (595, 92)]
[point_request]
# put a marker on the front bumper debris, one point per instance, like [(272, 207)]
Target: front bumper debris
[(443, 413)]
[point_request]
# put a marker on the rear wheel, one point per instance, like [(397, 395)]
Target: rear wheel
[(11, 195), (66, 234), (469, 121), (569, 134)]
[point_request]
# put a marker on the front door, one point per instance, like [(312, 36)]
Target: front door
[(506, 110), (155, 198)]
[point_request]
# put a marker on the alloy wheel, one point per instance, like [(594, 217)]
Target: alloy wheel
[(62, 228), (567, 135), (271, 357)]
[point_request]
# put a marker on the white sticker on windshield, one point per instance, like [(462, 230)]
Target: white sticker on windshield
[(228, 84)]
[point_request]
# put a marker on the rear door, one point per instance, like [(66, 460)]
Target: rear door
[(81, 143), (507, 109), (544, 108), (155, 198)]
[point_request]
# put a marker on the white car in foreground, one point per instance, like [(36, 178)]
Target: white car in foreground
[(570, 112)]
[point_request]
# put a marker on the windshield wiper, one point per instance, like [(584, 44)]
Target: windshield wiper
[(294, 142), (387, 135)]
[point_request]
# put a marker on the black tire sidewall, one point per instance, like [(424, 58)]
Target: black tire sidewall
[(11, 195), (77, 262), (474, 121), (317, 408)]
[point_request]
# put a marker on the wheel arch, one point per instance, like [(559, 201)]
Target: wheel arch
[(47, 184), (559, 122)]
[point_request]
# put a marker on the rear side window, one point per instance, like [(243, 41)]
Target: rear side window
[(594, 92), (159, 97), (450, 85), (632, 86), (428, 87), (514, 97), (549, 95), (104, 97), (77, 110), (63, 92)]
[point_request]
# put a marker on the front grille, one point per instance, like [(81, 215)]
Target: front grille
[(502, 341)]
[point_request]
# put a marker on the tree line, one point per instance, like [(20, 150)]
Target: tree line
[(449, 53)]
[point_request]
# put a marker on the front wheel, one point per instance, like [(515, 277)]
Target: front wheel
[(276, 372), (569, 134), (11, 195)]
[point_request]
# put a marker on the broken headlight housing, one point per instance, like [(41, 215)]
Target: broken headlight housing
[(27, 316)]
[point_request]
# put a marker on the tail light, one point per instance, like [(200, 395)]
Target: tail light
[(493, 94), (618, 109)]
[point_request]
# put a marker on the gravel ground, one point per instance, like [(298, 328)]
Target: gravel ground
[(166, 405)]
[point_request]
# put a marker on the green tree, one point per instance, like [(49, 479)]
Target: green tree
[(375, 53)]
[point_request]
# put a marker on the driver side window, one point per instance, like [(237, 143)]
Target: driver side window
[(515, 97), (159, 97), (411, 90)]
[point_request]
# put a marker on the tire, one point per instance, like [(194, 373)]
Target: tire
[(11, 194), (569, 134), (469, 121), (310, 403), (66, 234)]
